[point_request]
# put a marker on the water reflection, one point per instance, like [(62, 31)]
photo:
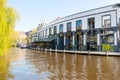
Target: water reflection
[(39, 65), (4, 64)]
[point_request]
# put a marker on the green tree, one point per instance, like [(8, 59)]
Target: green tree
[(106, 47), (8, 18)]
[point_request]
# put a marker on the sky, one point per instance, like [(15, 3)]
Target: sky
[(33, 12)]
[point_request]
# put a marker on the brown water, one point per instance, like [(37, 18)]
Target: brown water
[(37, 65)]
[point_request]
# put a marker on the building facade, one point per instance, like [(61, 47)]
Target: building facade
[(91, 30), (21, 38)]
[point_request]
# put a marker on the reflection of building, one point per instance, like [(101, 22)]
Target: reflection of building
[(88, 30)]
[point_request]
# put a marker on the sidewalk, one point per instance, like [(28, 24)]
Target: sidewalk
[(83, 52)]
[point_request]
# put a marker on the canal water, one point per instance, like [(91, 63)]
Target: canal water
[(23, 64)]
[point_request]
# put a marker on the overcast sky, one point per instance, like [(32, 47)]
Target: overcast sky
[(32, 12)]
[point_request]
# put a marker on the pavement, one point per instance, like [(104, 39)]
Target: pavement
[(83, 52)]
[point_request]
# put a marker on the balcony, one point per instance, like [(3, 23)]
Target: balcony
[(107, 32)]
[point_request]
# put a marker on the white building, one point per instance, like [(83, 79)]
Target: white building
[(88, 30)]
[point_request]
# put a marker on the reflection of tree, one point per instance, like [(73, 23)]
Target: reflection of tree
[(4, 64)]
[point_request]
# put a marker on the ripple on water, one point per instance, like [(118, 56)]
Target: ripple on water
[(38, 65)]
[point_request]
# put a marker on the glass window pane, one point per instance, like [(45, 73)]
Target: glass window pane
[(69, 25), (79, 23), (61, 28)]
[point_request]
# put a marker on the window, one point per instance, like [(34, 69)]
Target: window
[(78, 24), (69, 25), (61, 28), (50, 31), (106, 21), (91, 23), (110, 39), (55, 29)]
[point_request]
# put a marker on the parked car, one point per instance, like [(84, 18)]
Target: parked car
[(23, 46)]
